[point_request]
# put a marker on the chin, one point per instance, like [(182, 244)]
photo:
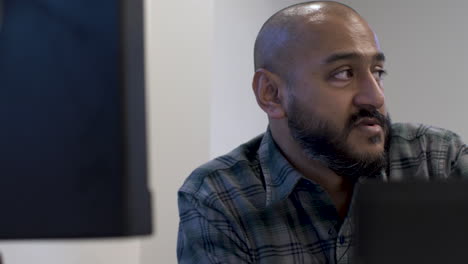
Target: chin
[(368, 149)]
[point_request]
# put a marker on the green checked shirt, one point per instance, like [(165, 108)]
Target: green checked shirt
[(252, 206)]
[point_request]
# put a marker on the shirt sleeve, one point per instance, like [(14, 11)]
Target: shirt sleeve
[(458, 154), (206, 235)]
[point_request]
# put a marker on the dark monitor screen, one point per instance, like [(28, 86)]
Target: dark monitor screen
[(72, 115), (410, 222)]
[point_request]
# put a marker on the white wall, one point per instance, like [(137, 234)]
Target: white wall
[(235, 116), (425, 43), (96, 251), (179, 57)]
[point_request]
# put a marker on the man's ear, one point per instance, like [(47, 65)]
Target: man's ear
[(268, 89)]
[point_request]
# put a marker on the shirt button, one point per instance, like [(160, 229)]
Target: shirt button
[(342, 240)]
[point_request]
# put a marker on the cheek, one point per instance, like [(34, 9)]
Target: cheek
[(328, 103), (336, 109)]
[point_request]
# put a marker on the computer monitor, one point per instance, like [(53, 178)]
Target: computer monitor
[(73, 156), (411, 222)]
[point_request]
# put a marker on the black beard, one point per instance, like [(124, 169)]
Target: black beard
[(322, 143)]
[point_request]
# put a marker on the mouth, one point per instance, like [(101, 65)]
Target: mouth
[(368, 121), (369, 126)]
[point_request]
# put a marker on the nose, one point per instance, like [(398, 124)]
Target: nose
[(370, 93)]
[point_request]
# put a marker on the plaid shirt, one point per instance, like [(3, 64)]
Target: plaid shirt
[(252, 206)]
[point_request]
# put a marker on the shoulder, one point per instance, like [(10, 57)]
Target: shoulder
[(413, 137), (414, 131), (236, 170), (423, 151)]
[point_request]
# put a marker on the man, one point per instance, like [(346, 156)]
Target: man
[(286, 196)]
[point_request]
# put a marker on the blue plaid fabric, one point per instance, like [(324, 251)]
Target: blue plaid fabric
[(252, 206)]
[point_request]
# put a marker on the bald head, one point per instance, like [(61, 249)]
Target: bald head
[(282, 35)]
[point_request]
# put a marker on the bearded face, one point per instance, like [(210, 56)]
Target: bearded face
[(323, 141)]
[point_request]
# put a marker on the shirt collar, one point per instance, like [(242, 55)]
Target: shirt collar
[(280, 177)]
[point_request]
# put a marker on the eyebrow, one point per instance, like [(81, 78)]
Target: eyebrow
[(351, 55)]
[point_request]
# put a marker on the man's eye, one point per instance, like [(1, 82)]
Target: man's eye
[(379, 74), (343, 75)]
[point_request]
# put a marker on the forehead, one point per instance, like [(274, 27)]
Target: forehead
[(336, 35)]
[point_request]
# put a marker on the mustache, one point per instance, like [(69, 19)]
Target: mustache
[(362, 113)]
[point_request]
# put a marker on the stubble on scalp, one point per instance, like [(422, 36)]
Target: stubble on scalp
[(281, 36)]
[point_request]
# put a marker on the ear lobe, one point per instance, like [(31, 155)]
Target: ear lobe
[(268, 92)]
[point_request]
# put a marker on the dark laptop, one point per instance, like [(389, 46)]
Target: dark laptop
[(412, 222)]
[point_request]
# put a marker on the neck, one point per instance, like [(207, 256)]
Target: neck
[(338, 187), (311, 169)]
